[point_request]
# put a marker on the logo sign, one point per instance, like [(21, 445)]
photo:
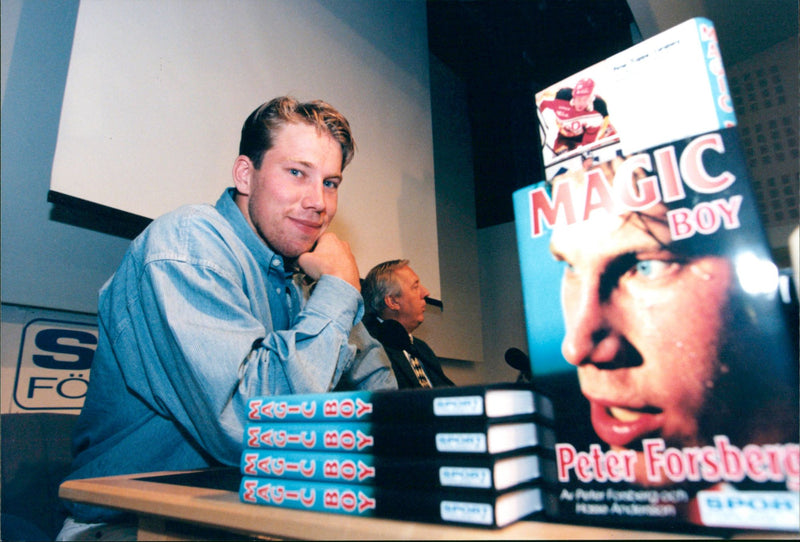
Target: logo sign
[(750, 509), (54, 363)]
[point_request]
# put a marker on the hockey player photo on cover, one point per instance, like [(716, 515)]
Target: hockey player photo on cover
[(574, 119), (687, 367)]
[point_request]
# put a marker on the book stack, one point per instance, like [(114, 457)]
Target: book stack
[(651, 299), (471, 455)]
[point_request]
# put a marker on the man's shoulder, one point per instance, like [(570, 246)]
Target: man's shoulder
[(370, 322), (187, 231)]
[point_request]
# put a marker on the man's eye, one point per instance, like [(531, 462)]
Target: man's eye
[(331, 184), (652, 268), (295, 172)]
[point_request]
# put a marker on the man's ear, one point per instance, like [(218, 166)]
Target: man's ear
[(390, 303), (243, 173)]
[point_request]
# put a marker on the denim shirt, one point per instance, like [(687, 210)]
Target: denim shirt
[(201, 316)]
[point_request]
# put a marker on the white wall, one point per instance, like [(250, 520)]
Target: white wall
[(157, 91), (49, 264)]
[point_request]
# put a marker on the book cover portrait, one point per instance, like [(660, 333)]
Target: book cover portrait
[(652, 308)]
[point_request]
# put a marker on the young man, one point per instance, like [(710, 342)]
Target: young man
[(395, 302), (212, 306)]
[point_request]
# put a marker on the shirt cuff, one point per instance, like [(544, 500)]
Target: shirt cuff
[(337, 299)]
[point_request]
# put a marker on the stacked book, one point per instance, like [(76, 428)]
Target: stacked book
[(471, 455)]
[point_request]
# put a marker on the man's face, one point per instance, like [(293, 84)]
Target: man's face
[(292, 198), (411, 299), (643, 326), (581, 103)]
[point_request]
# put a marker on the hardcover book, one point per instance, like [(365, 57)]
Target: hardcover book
[(483, 508), (457, 436), (480, 471), (651, 304), (477, 401)]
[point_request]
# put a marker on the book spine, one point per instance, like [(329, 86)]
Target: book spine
[(311, 496), (484, 472), (479, 402), (720, 91), (413, 440), (475, 508), (335, 406)]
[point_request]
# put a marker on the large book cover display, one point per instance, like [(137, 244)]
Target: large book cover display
[(650, 299), (470, 455)]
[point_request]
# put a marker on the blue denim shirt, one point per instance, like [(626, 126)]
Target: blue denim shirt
[(201, 316)]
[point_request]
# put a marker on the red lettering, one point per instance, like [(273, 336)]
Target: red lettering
[(707, 33), (348, 469), (330, 469), (680, 226), (329, 408), (331, 439), (347, 440), (668, 171), (565, 455), (249, 490), (346, 408), (307, 497), (364, 441), (365, 471), (348, 501), (363, 408), (652, 458), (710, 466), (308, 439), (308, 409), (280, 410), (278, 494), (636, 195), (252, 437), (598, 193), (705, 217), (674, 465), (308, 468), (545, 212), (729, 211), (694, 172), (255, 405), (755, 460), (731, 458), (330, 498), (365, 503)]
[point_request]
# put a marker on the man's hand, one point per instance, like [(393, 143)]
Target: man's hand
[(331, 256)]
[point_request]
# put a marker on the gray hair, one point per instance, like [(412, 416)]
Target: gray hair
[(379, 283)]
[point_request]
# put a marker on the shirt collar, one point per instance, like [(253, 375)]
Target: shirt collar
[(226, 205)]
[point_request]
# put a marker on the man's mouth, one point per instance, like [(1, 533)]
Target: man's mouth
[(309, 226), (622, 425)]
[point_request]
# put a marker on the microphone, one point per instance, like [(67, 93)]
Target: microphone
[(391, 333), (517, 359)]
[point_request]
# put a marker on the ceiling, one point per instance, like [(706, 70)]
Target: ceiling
[(506, 50)]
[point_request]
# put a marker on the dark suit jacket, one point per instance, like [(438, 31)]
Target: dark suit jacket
[(402, 367)]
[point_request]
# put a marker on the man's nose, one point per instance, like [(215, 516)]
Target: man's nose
[(589, 337), (314, 196)]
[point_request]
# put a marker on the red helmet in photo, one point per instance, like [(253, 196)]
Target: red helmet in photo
[(584, 87)]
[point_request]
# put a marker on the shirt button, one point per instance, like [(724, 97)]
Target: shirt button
[(278, 290), (276, 262)]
